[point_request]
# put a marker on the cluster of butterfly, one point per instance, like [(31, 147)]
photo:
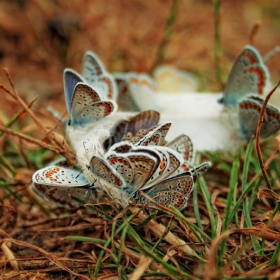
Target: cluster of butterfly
[(248, 79), (124, 155)]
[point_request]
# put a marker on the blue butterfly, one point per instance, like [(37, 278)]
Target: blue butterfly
[(87, 106), (249, 113), (249, 75)]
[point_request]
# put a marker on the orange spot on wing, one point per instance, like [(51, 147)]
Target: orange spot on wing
[(261, 77), (250, 56), (50, 174)]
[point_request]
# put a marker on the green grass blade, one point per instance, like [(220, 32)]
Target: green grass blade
[(193, 227), (168, 228), (172, 271), (195, 208), (7, 165), (122, 241), (86, 239), (228, 210), (275, 256), (207, 200), (146, 221), (232, 186)]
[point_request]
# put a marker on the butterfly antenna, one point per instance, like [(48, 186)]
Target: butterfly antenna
[(80, 172), (55, 114)]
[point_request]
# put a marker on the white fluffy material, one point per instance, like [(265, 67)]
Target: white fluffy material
[(210, 126), (87, 141)]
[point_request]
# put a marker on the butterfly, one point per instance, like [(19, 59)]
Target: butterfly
[(249, 75), (59, 181), (132, 129), (70, 79), (109, 180), (96, 75), (87, 107), (156, 136), (249, 109), (169, 79), (122, 174), (136, 92), (184, 146), (128, 167), (152, 134), (125, 100), (174, 190), (158, 164)]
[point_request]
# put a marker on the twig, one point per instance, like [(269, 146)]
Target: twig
[(18, 115), (60, 149), (49, 256), (30, 139), (258, 133), (217, 39), (10, 256), (167, 33), (271, 54), (254, 32)]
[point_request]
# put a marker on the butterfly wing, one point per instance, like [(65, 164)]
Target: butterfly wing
[(122, 166), (92, 67), (136, 127), (103, 170), (144, 163), (156, 136), (125, 100), (56, 184), (95, 111), (170, 161), (184, 146), (249, 114), (141, 165), (248, 75), (167, 198), (84, 96), (142, 90), (108, 83), (70, 78), (160, 172), (59, 177), (173, 191), (121, 147), (175, 161)]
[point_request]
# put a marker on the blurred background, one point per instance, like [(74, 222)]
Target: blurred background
[(38, 39)]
